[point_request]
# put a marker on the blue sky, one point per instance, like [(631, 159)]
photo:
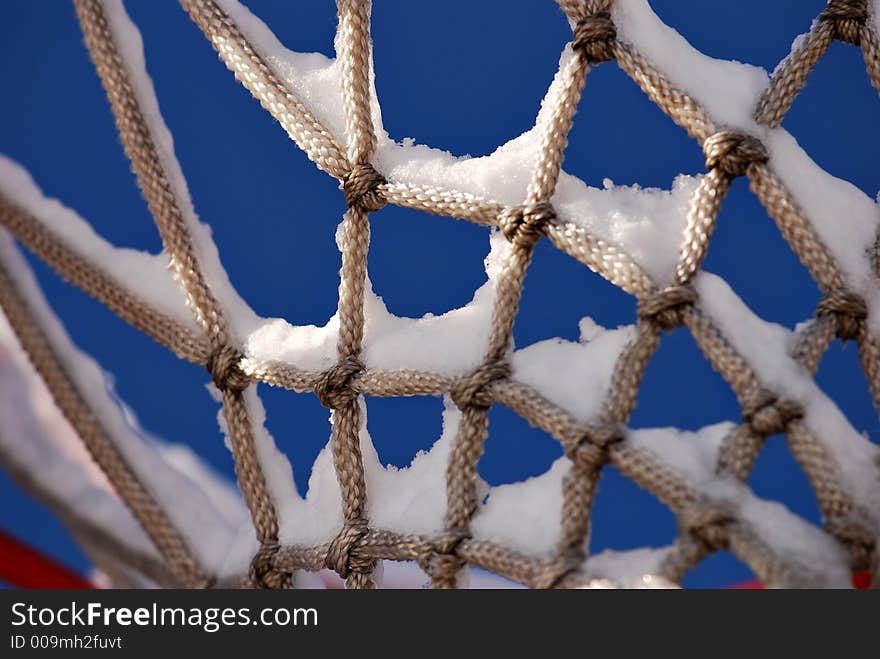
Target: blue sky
[(459, 75)]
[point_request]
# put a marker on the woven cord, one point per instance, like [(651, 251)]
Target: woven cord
[(166, 209), (86, 531), (360, 185), (100, 445), (103, 286), (706, 525)]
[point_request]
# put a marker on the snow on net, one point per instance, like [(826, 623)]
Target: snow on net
[(194, 531)]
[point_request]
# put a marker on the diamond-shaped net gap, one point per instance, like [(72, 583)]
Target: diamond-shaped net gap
[(702, 481)]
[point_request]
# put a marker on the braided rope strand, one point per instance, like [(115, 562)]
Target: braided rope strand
[(706, 525)]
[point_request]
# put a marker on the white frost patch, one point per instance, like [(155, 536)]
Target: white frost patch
[(817, 554), (525, 516), (692, 454), (727, 90), (413, 499), (647, 223), (820, 559), (766, 346), (38, 442), (575, 376), (146, 275), (312, 76), (626, 567), (407, 500), (845, 218), (180, 495)]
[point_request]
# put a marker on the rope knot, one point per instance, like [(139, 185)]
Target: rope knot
[(733, 152), (667, 307), (334, 389), (361, 188), (595, 35), (767, 415), (263, 572), (847, 309), (847, 17), (223, 364), (591, 449), (524, 225), (706, 521), (469, 391), (440, 561), (341, 554)]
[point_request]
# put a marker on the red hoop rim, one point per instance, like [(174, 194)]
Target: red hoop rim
[(23, 566)]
